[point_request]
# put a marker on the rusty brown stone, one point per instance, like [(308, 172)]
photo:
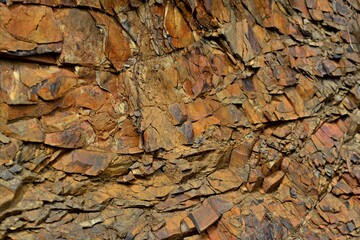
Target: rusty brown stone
[(26, 130), (83, 161), (179, 119), (87, 96), (204, 217), (272, 181), (180, 33)]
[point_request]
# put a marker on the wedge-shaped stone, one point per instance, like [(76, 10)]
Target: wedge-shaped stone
[(204, 217), (187, 131), (219, 205), (117, 47), (177, 28), (7, 195), (231, 116), (197, 110), (242, 40), (178, 113), (273, 181)]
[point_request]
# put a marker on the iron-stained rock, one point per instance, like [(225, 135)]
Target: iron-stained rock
[(84, 161)]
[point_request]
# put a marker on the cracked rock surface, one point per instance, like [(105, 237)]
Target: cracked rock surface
[(181, 119)]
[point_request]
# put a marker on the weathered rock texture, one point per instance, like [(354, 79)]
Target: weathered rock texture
[(194, 119)]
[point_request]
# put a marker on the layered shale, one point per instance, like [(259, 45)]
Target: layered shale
[(179, 119)]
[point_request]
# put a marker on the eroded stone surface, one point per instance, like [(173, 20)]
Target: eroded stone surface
[(179, 119)]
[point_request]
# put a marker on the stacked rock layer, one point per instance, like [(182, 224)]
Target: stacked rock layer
[(192, 119)]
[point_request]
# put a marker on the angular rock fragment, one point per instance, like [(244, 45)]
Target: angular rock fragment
[(224, 180), (55, 87), (179, 32), (7, 194), (188, 132), (25, 130), (160, 134), (208, 213), (72, 138), (178, 113), (84, 162), (204, 217), (91, 97), (117, 46), (9, 150), (86, 47), (12, 90), (272, 181), (24, 27), (242, 40)]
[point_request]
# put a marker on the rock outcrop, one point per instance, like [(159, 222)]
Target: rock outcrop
[(159, 119)]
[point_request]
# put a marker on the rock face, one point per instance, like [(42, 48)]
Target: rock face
[(222, 119)]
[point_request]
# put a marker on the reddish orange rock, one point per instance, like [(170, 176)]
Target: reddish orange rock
[(301, 6), (323, 5), (179, 32), (303, 51), (255, 179), (197, 110), (210, 119), (230, 116), (219, 232), (296, 101), (118, 47), (240, 155), (203, 124), (20, 111), (187, 225), (30, 22), (332, 130), (306, 88), (317, 15), (324, 138)]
